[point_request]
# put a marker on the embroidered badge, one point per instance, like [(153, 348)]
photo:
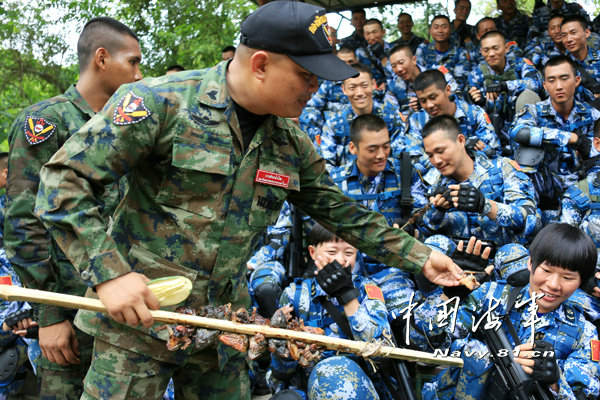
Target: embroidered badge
[(511, 43), (5, 280), (318, 139), (272, 178), (373, 292), (443, 69), (131, 110), (487, 118), (527, 61), (595, 345), (38, 130)]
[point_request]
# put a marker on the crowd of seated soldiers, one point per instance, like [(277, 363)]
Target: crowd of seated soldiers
[(473, 142)]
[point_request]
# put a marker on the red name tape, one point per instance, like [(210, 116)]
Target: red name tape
[(272, 178)]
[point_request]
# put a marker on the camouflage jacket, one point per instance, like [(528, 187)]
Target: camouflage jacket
[(197, 203), (36, 134), (456, 59)]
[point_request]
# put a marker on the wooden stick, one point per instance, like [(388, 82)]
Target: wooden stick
[(14, 293)]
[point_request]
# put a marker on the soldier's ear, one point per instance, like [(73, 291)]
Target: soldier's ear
[(577, 80), (353, 149), (101, 56), (259, 62)]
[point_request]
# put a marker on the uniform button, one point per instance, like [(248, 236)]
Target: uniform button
[(85, 275)]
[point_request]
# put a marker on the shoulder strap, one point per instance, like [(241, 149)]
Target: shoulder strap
[(406, 200), (512, 298), (339, 318)]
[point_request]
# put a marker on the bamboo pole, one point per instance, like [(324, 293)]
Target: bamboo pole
[(15, 293)]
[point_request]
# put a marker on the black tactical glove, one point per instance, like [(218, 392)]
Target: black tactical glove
[(583, 145), (545, 369), (336, 281), (377, 50), (470, 198), (444, 191), (469, 262)]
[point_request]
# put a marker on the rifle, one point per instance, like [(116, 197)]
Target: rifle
[(295, 247)]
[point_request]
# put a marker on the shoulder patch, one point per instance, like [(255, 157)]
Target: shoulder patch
[(5, 280), (130, 110), (487, 118), (38, 129), (515, 164), (443, 69), (527, 61), (511, 43), (595, 346), (373, 292)]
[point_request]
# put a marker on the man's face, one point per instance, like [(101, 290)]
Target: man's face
[(405, 24), (358, 20), (574, 37), (123, 65), (554, 29), (560, 82), (348, 57), (440, 30), (508, 7), (287, 86), (462, 10), (402, 64), (372, 151), (3, 176), (445, 154), (227, 55), (360, 92), (342, 252), (556, 283), (435, 101), (493, 50), (485, 27), (373, 33)]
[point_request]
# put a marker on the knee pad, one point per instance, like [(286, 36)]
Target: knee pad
[(267, 297), (340, 375)]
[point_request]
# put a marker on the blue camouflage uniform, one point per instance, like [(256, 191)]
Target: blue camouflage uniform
[(565, 328), (591, 65), (413, 42), (353, 41), (336, 133), (369, 324), (456, 59), (515, 29), (550, 131), (472, 120), (474, 50), (403, 90), (541, 49), (464, 32), (380, 72), (541, 16), (500, 180)]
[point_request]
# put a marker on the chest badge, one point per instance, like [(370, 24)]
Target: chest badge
[(38, 130), (272, 178), (130, 110), (5, 280), (595, 345)]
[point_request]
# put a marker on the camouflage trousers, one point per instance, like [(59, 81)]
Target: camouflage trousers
[(118, 373), (66, 382)]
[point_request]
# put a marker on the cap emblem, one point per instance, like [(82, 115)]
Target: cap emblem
[(319, 20)]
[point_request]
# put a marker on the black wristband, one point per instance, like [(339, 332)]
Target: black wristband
[(348, 296)]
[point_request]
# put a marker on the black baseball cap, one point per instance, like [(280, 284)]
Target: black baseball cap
[(300, 31)]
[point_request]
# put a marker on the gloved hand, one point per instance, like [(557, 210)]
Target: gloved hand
[(445, 192), (470, 198), (469, 261), (545, 369), (377, 50), (336, 281), (583, 145)]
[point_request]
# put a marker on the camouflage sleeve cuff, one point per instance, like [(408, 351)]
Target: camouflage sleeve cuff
[(49, 315), (414, 254), (104, 267)]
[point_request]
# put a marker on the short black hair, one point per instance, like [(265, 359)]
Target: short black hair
[(359, 10), (318, 234), (555, 14), (564, 246), (3, 160), (346, 49), (492, 33), (175, 67), (372, 21), (401, 47), (597, 128), (439, 16), (483, 20), (557, 60), (456, 2), (100, 32), (403, 14), (576, 18), (444, 123), (369, 122), (228, 48), (428, 78), (362, 68)]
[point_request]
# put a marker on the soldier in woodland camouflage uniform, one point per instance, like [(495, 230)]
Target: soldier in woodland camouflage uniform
[(209, 167), (109, 55)]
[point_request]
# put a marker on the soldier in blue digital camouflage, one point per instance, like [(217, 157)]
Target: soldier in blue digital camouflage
[(109, 55), (335, 136), (512, 23), (543, 47), (551, 137), (357, 39), (483, 26), (557, 347), (327, 99), (214, 160), (407, 37), (375, 54), (435, 97), (501, 85), (443, 51), (357, 299), (575, 33), (461, 31), (404, 65), (542, 15), (471, 195)]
